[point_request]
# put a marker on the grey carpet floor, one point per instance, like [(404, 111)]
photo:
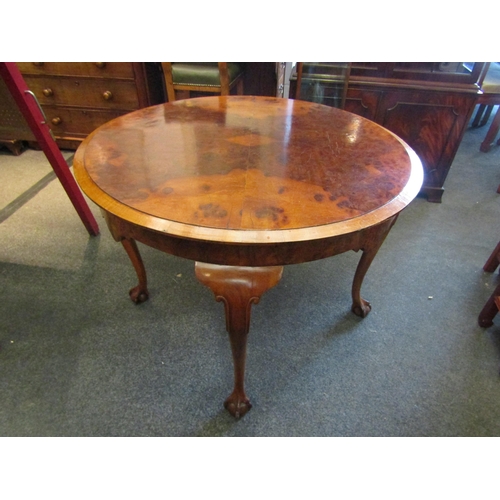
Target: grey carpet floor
[(78, 358)]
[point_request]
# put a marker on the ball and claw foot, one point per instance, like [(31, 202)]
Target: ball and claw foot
[(362, 309), (138, 295), (237, 407)]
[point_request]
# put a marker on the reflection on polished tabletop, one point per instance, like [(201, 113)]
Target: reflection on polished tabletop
[(244, 185)]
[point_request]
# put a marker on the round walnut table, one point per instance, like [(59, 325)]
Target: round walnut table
[(243, 186)]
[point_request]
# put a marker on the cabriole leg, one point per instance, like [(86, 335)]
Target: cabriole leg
[(238, 288), (374, 240), (140, 292)]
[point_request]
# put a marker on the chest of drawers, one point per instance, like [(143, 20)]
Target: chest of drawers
[(79, 97)]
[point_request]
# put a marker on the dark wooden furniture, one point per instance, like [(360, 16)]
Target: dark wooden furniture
[(216, 78), (14, 130), (28, 115), (492, 305), (79, 97), (491, 135), (489, 98), (428, 105), (260, 78), (243, 186)]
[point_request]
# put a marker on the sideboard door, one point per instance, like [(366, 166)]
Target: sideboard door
[(433, 124)]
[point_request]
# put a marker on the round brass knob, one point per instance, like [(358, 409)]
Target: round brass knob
[(100, 65), (107, 95), (47, 92), (56, 121)]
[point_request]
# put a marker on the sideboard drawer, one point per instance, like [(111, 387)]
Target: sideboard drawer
[(78, 97), (90, 92), (104, 70), (77, 122)]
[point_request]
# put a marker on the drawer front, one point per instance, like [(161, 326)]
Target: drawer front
[(92, 93), (76, 122), (104, 70)]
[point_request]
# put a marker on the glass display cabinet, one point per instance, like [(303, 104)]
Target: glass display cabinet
[(427, 104), (324, 83)]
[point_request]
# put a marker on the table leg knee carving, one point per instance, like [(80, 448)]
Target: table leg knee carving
[(238, 288)]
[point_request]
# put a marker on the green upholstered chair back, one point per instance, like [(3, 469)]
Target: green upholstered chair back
[(210, 77)]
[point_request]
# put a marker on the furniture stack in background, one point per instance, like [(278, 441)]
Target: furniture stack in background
[(428, 105), (79, 97)]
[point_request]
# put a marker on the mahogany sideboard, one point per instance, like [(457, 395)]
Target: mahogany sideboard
[(79, 97), (428, 105)]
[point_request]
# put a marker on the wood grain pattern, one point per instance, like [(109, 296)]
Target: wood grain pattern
[(78, 97), (247, 169)]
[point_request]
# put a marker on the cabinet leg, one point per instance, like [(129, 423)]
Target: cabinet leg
[(489, 310), (493, 260), (15, 147), (479, 114), (140, 292), (491, 134), (238, 288)]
